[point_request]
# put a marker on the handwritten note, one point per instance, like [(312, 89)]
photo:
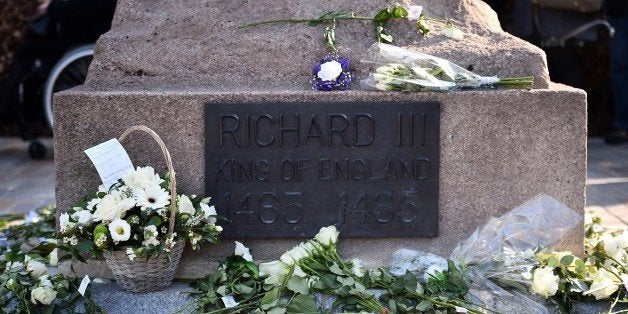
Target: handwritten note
[(111, 161)]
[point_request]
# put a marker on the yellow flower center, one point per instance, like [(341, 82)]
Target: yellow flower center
[(120, 231)]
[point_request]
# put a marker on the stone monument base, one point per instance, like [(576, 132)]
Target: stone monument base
[(498, 148)]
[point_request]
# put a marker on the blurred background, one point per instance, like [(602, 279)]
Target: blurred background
[(578, 36)]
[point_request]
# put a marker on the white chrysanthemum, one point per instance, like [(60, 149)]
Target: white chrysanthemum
[(120, 230), (330, 70), (141, 177), (243, 251), (452, 32), (113, 205), (327, 235), (603, 285), (64, 222), (544, 282), (82, 217), (36, 269), (151, 197), (208, 212), (185, 205), (43, 295)]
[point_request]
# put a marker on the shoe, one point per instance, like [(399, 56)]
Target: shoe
[(616, 137)]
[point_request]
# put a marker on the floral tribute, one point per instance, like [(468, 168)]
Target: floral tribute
[(332, 73), (133, 214), (289, 284)]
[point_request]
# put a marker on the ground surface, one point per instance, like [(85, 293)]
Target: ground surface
[(27, 184)]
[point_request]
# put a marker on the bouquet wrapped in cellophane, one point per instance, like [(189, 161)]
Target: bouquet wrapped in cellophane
[(399, 69)]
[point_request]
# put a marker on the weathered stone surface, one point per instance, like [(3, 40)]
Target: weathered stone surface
[(198, 43), (499, 148)]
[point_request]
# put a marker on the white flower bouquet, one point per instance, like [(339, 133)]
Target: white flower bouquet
[(139, 220), (399, 69)]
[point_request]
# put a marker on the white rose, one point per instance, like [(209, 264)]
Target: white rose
[(36, 269), (112, 206), (294, 255), (140, 177), (330, 70), (45, 295), (297, 271), (357, 268), (92, 203), (64, 222), (414, 12), (14, 266), (208, 212), (243, 251), (624, 280), (185, 205), (83, 217), (44, 281), (120, 230), (452, 32), (544, 282), (622, 240), (603, 285), (273, 268), (327, 235)]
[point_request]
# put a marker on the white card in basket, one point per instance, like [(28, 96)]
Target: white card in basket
[(111, 161)]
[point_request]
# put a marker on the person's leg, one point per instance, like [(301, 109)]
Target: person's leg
[(619, 79)]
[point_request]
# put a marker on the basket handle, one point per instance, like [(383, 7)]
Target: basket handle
[(173, 181)]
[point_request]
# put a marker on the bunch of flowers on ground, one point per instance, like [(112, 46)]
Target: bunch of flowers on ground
[(134, 214), (313, 268), (26, 284), (600, 275)]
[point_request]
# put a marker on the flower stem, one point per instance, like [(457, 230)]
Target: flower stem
[(517, 82), (296, 21)]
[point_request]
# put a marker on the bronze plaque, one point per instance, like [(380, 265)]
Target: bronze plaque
[(284, 170)]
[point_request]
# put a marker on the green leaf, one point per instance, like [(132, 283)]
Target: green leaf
[(222, 290), (423, 306), (298, 285), (243, 289), (567, 260), (336, 269), (399, 13), (270, 299), (383, 16), (552, 262), (276, 310), (422, 27), (302, 304)]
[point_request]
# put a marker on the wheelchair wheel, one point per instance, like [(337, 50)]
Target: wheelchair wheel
[(69, 72)]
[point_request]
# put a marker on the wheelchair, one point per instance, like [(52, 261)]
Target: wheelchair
[(35, 92)]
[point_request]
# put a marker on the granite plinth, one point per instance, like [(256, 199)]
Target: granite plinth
[(498, 148)]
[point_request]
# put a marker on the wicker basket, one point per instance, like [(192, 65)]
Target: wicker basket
[(141, 275)]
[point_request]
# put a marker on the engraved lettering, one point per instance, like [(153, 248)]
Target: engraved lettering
[(268, 208), (422, 168), (338, 129), (287, 169), (229, 124), (383, 211), (314, 130), (224, 169), (284, 129), (261, 170), (270, 139), (364, 130), (408, 211), (301, 167), (358, 166), (294, 211), (324, 166)]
